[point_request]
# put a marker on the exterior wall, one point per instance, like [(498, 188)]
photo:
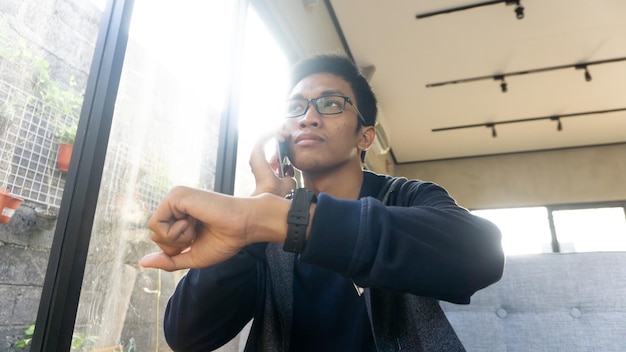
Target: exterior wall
[(579, 175), (24, 251), (63, 32)]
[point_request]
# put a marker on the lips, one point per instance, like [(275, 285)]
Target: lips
[(306, 138)]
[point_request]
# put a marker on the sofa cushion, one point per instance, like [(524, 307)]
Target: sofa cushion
[(548, 302)]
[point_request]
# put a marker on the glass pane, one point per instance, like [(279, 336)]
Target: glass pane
[(588, 230), (164, 133), (263, 92), (46, 48), (524, 230)]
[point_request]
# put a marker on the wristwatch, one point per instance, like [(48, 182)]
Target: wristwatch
[(298, 219)]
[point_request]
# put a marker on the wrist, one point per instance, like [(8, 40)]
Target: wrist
[(267, 221)]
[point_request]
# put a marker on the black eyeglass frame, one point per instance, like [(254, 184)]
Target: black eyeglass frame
[(317, 109)]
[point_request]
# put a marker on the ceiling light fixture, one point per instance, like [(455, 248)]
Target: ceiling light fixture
[(503, 85), (587, 74), (556, 118), (559, 125), (580, 66), (519, 9)]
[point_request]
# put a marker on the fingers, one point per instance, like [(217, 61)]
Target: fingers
[(266, 173), (174, 237), (282, 134), (258, 151), (258, 162), (196, 228)]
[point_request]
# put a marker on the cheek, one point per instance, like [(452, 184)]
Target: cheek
[(346, 134), (290, 125)]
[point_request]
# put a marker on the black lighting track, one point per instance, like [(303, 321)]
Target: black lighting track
[(501, 76), (519, 10), (556, 118)]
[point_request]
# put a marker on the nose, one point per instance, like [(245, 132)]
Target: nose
[(311, 117)]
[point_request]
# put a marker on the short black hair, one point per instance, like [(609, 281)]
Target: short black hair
[(344, 67)]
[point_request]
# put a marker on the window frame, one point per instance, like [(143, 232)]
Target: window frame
[(556, 246), (551, 208)]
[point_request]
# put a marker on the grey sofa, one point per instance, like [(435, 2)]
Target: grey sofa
[(548, 302)]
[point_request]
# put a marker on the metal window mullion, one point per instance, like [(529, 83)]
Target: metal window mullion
[(66, 266), (556, 247)]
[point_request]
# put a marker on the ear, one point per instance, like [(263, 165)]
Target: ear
[(366, 137)]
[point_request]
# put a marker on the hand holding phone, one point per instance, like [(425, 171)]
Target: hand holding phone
[(282, 149)]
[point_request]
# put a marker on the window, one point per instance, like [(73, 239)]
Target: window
[(524, 230), (180, 70), (165, 129), (46, 50), (264, 83), (572, 228), (593, 229)]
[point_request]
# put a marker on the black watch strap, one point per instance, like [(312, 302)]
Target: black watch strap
[(298, 220)]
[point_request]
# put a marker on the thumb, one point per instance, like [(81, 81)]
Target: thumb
[(163, 261)]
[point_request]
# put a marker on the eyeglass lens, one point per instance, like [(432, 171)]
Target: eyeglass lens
[(326, 105)]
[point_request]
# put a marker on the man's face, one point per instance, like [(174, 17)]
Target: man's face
[(323, 142)]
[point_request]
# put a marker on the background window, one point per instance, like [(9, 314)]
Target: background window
[(524, 230), (263, 92), (571, 228), (587, 230)]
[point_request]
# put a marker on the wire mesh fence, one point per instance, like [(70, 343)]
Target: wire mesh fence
[(28, 146), (134, 181)]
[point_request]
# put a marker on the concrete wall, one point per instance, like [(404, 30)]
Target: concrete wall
[(579, 175), (24, 251)]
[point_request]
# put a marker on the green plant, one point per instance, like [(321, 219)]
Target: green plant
[(80, 342), (30, 71), (28, 336), (67, 134)]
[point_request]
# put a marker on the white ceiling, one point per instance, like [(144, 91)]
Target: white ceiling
[(408, 53)]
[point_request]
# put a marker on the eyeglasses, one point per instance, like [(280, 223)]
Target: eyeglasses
[(324, 105)]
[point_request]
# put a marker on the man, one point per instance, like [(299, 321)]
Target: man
[(362, 273)]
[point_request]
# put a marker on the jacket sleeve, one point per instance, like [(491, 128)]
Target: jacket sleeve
[(210, 306), (426, 244)]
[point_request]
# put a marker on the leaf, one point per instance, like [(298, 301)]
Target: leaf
[(22, 343), (30, 331)]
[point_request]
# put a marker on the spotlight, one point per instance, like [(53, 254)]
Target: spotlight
[(587, 75), (493, 129), (503, 85), (519, 12), (519, 9), (559, 125)]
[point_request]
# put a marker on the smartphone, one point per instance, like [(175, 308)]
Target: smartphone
[(282, 149)]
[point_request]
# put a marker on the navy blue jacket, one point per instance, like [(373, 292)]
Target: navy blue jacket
[(422, 244)]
